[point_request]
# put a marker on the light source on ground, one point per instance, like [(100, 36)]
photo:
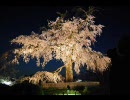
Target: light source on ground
[(6, 82)]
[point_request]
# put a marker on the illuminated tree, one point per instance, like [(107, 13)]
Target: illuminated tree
[(43, 76), (68, 40)]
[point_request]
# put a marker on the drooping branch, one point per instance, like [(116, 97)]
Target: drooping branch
[(43, 77)]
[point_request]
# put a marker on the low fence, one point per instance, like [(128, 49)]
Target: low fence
[(70, 84)]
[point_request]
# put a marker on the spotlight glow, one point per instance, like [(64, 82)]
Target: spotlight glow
[(6, 82)]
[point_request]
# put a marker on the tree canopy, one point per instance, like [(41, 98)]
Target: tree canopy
[(65, 39)]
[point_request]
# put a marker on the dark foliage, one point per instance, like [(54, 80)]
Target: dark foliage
[(24, 88), (4, 89), (119, 73)]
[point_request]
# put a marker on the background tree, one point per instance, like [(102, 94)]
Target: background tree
[(68, 40), (120, 59), (7, 68)]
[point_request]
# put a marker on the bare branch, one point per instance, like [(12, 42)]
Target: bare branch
[(59, 69)]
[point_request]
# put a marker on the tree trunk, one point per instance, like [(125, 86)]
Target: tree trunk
[(69, 72)]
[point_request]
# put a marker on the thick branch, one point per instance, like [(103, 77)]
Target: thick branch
[(59, 70)]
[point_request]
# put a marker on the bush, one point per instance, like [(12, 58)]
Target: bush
[(4, 89), (26, 88)]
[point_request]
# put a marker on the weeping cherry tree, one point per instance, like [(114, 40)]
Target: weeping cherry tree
[(65, 39)]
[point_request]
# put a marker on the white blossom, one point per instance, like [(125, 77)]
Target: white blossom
[(68, 39)]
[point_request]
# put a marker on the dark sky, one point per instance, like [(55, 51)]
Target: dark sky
[(22, 20)]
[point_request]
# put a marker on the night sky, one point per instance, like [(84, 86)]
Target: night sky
[(22, 20)]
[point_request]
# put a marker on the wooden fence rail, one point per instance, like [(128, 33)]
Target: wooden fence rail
[(70, 84)]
